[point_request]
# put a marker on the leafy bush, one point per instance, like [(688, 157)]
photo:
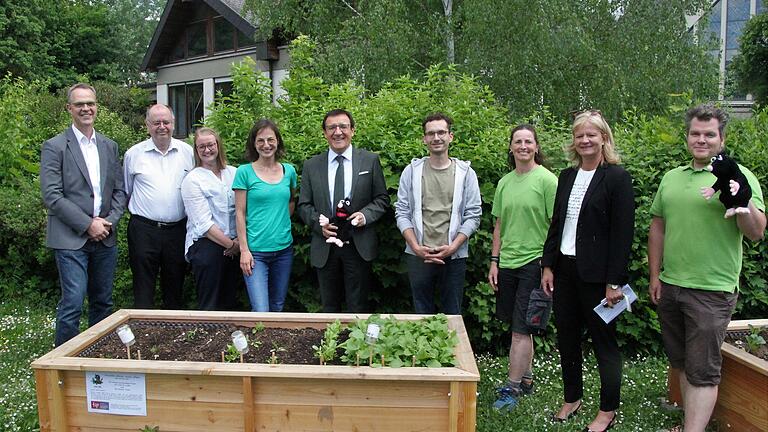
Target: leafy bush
[(389, 123), (29, 115)]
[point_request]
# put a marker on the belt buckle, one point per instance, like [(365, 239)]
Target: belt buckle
[(161, 224)]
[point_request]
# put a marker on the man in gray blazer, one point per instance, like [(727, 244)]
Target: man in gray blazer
[(343, 172), (82, 186)]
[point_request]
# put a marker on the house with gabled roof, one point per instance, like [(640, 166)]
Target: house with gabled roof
[(192, 51)]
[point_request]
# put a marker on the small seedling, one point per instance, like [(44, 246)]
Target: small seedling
[(148, 428), (232, 355), (255, 343), (191, 335), (754, 340), (258, 328)]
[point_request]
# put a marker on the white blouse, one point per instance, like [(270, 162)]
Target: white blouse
[(208, 200), (580, 186)]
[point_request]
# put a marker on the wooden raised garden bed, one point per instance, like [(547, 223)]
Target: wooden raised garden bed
[(742, 402), (223, 397)]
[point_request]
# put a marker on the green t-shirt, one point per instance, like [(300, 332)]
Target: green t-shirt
[(267, 219), (523, 204), (702, 249)]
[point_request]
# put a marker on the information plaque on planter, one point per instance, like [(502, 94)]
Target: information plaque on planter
[(258, 388), (116, 393)]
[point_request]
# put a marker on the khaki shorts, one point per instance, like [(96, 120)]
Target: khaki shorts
[(693, 324)]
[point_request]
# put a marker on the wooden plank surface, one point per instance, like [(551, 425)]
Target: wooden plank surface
[(329, 418), (742, 403), (406, 394), (59, 412), (249, 417), (468, 414), (174, 387), (171, 416), (43, 405)]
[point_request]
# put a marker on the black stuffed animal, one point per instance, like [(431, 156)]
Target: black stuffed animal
[(735, 192), (341, 220)]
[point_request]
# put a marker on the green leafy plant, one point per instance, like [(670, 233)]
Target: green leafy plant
[(148, 428), (257, 328), (231, 355), (191, 335), (426, 342), (754, 339), (327, 350)]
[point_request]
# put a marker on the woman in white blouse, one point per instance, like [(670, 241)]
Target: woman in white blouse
[(211, 245)]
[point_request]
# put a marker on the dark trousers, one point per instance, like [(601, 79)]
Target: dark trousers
[(448, 278), (573, 305), (153, 250), (217, 277), (345, 275)]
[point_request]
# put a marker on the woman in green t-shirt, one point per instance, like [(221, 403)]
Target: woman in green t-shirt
[(522, 206), (265, 192)]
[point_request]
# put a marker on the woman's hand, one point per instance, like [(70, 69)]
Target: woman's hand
[(612, 296), (547, 281), (246, 262), (493, 276)]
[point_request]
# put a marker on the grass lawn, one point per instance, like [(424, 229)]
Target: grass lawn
[(26, 334)]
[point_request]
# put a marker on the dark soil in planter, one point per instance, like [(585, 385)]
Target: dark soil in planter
[(204, 342), (739, 340)]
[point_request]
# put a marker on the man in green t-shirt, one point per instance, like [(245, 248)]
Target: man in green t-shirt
[(700, 252), (438, 207)]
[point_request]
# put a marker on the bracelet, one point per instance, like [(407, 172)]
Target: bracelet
[(495, 258)]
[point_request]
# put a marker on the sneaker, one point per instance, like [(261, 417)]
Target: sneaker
[(507, 398)]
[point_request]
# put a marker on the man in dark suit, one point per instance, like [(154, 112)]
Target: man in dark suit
[(82, 186), (343, 172)]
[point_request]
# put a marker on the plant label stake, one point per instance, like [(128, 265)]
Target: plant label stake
[(138, 354), (372, 334), (322, 360), (222, 357), (413, 361), (357, 361), (126, 337)]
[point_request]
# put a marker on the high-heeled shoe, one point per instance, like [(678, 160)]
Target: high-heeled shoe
[(610, 425), (570, 415)]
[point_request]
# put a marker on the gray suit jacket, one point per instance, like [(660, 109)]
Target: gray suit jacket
[(67, 192), (368, 195)]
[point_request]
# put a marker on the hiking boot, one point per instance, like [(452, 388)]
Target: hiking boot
[(508, 397)]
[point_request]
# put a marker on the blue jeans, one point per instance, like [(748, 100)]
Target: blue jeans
[(268, 283), (89, 270), (425, 278)]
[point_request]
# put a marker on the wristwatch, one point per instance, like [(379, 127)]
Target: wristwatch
[(614, 287)]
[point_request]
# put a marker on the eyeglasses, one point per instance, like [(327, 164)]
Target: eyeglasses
[(591, 112), (342, 126), (88, 104), (157, 123), (437, 133), (208, 147), (270, 140)]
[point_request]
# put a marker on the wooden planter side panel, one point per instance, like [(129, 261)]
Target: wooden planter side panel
[(175, 403), (344, 405), (742, 403)]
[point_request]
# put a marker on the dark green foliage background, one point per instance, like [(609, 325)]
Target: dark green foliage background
[(389, 123)]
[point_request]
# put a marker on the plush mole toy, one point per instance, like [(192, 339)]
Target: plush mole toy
[(340, 220), (732, 184)]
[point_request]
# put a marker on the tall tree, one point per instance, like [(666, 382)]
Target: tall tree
[(563, 54), (60, 40), (750, 66)]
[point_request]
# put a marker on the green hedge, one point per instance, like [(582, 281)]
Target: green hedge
[(389, 123)]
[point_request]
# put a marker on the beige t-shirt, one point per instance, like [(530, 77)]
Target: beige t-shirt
[(436, 203)]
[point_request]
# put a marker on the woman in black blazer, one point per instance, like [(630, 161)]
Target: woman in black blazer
[(585, 260)]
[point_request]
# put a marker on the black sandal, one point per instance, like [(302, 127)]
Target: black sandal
[(571, 414)]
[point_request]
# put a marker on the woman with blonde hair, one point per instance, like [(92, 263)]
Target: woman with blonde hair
[(211, 244), (585, 260)]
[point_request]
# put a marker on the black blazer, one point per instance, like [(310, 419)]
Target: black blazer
[(368, 195), (605, 228)]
